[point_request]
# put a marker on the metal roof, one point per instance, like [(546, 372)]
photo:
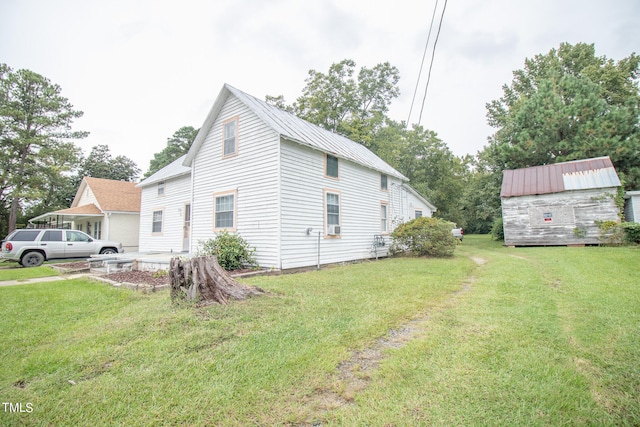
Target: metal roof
[(575, 175), (296, 130), (172, 170)]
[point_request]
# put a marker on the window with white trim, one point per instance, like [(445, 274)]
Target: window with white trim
[(224, 211), (156, 222), (384, 218), (332, 213), (161, 188), (230, 138), (418, 213)]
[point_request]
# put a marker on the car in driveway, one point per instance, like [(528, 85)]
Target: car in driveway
[(32, 247), (458, 233)]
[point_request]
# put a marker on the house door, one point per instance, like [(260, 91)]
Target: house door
[(186, 228)]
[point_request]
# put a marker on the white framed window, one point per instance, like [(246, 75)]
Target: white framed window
[(331, 166), (224, 211), (156, 222), (230, 137), (161, 188), (384, 217), (384, 182), (332, 210), (418, 213), (97, 230)]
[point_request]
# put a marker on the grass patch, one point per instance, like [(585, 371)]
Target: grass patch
[(12, 271), (542, 336), (135, 359)]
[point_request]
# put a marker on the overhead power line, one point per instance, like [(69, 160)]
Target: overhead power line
[(431, 65), (424, 55)]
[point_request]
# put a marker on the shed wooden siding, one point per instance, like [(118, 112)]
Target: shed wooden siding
[(253, 173), (572, 214), (177, 193), (302, 206)]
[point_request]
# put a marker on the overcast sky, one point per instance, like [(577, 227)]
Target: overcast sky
[(140, 70)]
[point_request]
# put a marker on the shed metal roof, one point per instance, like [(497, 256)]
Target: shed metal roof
[(297, 130), (575, 175)]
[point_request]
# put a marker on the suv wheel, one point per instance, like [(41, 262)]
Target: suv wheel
[(32, 259), (108, 251)]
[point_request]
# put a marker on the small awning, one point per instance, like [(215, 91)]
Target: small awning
[(68, 215)]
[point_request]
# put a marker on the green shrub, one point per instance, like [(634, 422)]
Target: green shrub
[(424, 236), (232, 250), (632, 231), (497, 231)]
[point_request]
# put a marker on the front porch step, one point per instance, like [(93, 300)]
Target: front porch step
[(108, 265)]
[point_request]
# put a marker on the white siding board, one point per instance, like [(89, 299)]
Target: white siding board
[(252, 173), (302, 201), (124, 228), (176, 195)]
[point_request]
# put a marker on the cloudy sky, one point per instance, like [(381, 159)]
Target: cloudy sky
[(141, 69)]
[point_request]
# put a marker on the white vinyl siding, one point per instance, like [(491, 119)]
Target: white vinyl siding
[(303, 193), (177, 194), (252, 174)]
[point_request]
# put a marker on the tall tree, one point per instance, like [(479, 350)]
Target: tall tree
[(177, 146), (100, 164), (569, 104), (429, 164), (341, 102), (35, 125)]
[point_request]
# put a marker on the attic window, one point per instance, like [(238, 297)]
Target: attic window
[(161, 188), (230, 137), (383, 182), (331, 166)]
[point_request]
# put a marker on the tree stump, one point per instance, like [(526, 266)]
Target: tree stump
[(202, 279)]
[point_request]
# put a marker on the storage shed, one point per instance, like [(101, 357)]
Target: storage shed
[(559, 204)]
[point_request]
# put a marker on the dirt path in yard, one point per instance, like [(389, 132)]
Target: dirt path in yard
[(353, 375)]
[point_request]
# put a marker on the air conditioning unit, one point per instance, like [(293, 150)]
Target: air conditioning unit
[(333, 230)]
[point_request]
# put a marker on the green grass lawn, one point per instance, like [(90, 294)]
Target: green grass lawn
[(13, 271), (534, 336)]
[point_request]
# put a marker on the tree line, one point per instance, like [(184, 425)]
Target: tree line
[(567, 104)]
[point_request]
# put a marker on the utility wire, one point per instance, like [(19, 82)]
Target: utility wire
[(431, 65), (415, 92)]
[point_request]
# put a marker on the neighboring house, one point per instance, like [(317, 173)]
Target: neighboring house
[(299, 194), (559, 204), (103, 208), (632, 206)]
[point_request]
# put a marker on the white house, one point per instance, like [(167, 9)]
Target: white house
[(103, 208), (299, 194)]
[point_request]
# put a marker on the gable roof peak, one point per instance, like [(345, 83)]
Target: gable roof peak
[(294, 129)]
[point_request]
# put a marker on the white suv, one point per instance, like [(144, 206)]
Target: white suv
[(32, 247)]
